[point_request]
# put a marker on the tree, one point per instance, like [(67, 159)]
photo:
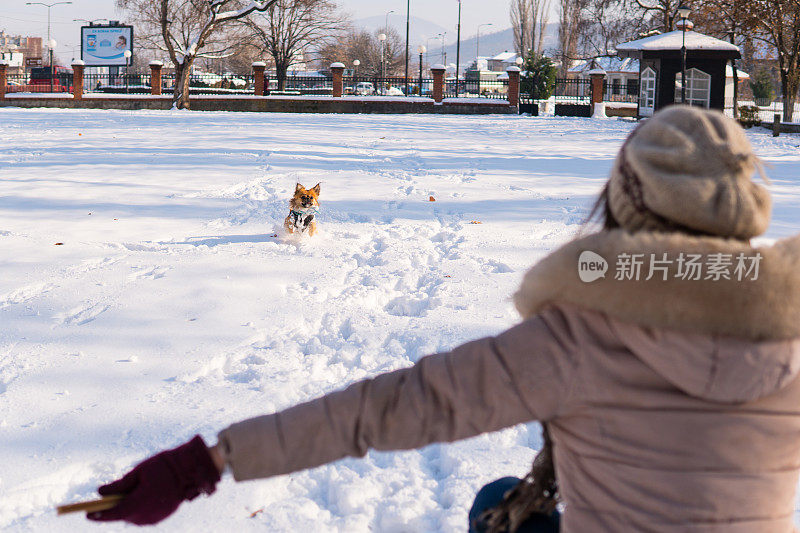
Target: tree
[(539, 76), (365, 46), (572, 25), (529, 22), (606, 23), (188, 29), (776, 24), (291, 27), (521, 24), (660, 12)]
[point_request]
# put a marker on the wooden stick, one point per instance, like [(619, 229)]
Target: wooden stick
[(103, 504)]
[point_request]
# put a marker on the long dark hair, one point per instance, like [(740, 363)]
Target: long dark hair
[(601, 213)]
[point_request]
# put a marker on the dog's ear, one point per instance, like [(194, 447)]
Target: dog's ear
[(316, 188), (298, 188)]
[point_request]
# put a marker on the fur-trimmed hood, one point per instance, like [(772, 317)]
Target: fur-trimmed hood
[(697, 333)]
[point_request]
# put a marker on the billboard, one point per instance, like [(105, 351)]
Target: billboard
[(104, 46)]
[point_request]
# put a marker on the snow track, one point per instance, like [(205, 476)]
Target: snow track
[(175, 305)]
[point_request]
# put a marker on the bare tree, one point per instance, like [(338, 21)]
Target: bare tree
[(521, 24), (606, 23), (572, 25), (661, 13), (776, 24), (188, 29), (529, 20), (365, 46), (289, 27), (540, 17)]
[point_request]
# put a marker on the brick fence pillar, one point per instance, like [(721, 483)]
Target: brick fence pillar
[(337, 71), (438, 82), (3, 67), (513, 86), (598, 77), (258, 74), (155, 77), (78, 67)]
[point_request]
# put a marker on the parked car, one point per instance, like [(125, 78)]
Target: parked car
[(364, 88)]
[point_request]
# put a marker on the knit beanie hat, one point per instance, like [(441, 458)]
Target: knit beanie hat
[(689, 168)]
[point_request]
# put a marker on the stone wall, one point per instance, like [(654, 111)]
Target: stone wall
[(270, 104)]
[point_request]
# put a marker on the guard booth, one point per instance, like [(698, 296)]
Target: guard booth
[(660, 69)]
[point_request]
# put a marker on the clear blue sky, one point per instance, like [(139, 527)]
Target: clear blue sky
[(16, 17)]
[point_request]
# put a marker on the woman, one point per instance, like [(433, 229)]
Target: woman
[(666, 379)]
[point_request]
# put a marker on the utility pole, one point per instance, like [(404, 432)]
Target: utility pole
[(408, 26), (458, 45), (48, 6)]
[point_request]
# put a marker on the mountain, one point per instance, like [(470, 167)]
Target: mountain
[(491, 45), (424, 32)]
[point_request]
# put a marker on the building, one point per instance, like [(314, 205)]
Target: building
[(622, 76), (660, 78), (29, 47), (502, 61)]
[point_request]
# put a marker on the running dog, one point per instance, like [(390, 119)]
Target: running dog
[(303, 207)]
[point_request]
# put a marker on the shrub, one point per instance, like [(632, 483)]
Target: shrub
[(748, 116), (761, 85)]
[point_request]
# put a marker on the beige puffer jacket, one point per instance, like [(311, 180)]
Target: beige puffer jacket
[(662, 417)]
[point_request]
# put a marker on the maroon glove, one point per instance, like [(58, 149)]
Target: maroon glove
[(158, 485)]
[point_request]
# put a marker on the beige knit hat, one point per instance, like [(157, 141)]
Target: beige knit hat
[(689, 168)]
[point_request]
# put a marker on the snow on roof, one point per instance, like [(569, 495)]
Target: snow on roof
[(740, 73), (609, 64), (673, 41), (505, 56)]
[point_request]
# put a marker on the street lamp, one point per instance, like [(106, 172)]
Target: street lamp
[(421, 49), (127, 55), (89, 22), (51, 43), (519, 61), (444, 55), (48, 6), (386, 22), (478, 45), (382, 39), (683, 12), (356, 63)]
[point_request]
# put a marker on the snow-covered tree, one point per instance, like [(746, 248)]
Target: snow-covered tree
[(188, 29), (291, 27)]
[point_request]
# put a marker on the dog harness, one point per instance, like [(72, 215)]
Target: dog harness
[(303, 217)]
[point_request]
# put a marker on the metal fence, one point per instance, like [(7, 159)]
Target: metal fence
[(621, 92), (23, 83), (767, 107), (572, 91), (141, 83)]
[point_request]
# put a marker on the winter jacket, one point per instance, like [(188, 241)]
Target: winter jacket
[(673, 405)]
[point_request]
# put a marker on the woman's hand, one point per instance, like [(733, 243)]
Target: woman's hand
[(157, 486)]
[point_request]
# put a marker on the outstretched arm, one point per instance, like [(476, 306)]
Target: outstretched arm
[(485, 385), (524, 374)]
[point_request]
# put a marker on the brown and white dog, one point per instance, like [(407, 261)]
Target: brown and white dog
[(303, 208)]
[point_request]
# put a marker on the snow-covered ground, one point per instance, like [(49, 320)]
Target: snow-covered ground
[(171, 309)]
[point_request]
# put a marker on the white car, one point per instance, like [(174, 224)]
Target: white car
[(364, 87)]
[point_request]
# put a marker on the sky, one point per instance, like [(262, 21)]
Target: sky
[(16, 17)]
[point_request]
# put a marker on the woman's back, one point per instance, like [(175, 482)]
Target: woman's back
[(711, 444)]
